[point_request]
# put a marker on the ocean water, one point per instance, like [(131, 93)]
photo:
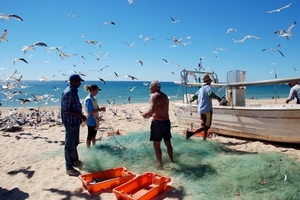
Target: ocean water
[(118, 91)]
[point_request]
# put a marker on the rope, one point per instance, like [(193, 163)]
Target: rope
[(112, 129)]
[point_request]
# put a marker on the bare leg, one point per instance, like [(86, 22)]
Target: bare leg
[(94, 141), (88, 143), (158, 153), (169, 149), (205, 134)]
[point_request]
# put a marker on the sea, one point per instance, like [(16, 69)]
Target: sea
[(48, 93)]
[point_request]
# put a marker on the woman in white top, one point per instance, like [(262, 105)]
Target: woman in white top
[(92, 109)]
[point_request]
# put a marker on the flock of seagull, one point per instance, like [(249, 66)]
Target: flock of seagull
[(286, 33)]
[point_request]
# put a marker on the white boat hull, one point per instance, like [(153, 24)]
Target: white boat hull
[(276, 123)]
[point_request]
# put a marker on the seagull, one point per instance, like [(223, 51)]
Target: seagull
[(166, 61), (117, 75), (130, 1), (132, 88), (107, 23), (83, 35), (140, 62), (246, 37), (295, 69), (286, 33), (100, 70), (31, 47), (2, 38), (96, 55), (221, 49), (24, 101), (274, 50), (145, 84), (102, 80), (148, 38), (279, 9), (16, 17), (94, 42), (72, 16), (174, 21), (130, 45), (64, 55), (22, 59), (230, 29), (43, 78), (132, 77), (18, 79)]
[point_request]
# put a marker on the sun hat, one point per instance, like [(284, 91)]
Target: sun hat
[(75, 77), (206, 78)]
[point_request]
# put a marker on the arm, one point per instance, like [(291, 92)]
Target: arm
[(150, 112), (291, 96), (212, 95)]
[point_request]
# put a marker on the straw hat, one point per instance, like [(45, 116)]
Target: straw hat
[(206, 78)]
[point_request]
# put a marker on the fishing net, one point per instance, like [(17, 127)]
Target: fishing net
[(203, 170)]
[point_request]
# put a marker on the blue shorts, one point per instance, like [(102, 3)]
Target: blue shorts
[(160, 130)]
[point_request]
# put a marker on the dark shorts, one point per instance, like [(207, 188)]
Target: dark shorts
[(160, 130), (91, 132)]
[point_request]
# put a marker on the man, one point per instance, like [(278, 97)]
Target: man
[(294, 92), (205, 96), (72, 117), (160, 125)]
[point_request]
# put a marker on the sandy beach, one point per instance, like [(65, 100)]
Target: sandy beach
[(33, 165)]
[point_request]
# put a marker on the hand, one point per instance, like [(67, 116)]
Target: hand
[(83, 118), (145, 115), (103, 109), (287, 101)]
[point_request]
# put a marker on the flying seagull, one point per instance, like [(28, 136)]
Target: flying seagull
[(295, 69), (174, 21), (22, 59), (16, 17), (279, 9), (107, 23), (287, 33), (148, 38), (130, 45), (94, 42), (274, 50), (140, 62), (132, 77), (102, 80), (31, 47), (2, 38), (246, 37), (230, 29)]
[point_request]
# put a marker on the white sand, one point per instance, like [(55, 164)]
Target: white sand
[(33, 165)]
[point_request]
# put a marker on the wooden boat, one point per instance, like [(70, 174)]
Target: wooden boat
[(275, 122)]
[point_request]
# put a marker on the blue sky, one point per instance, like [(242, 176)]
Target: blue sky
[(203, 26)]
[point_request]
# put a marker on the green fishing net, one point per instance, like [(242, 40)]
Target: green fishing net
[(203, 170)]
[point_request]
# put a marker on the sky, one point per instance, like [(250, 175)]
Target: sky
[(201, 27)]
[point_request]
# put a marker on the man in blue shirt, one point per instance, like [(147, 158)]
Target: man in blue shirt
[(205, 96), (72, 117)]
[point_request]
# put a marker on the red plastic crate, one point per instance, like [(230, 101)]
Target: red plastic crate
[(143, 187), (97, 181)]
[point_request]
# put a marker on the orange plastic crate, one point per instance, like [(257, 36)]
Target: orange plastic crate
[(143, 187), (97, 181)]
